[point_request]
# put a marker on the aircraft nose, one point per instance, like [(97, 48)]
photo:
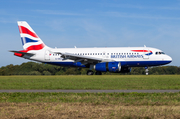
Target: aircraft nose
[(169, 59)]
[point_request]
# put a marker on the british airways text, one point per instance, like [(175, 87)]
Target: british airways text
[(126, 56)]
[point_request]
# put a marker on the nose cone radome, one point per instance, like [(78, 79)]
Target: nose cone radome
[(169, 59)]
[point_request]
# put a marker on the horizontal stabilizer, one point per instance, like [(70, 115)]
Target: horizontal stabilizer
[(24, 53)]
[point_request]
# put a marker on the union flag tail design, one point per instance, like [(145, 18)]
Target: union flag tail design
[(29, 38)]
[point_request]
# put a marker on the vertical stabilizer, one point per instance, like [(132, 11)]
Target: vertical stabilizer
[(29, 38)]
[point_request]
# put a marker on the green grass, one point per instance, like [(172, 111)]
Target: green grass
[(90, 105), (133, 99), (91, 82)]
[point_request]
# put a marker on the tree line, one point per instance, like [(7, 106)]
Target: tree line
[(33, 68)]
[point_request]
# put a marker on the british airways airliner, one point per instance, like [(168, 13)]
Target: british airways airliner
[(113, 59)]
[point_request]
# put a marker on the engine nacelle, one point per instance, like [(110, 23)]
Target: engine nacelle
[(108, 66), (111, 67)]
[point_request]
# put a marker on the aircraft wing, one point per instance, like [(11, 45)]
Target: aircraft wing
[(80, 58)]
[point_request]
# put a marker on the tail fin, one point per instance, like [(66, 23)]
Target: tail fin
[(30, 39)]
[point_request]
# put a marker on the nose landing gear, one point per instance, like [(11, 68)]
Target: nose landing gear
[(146, 70)]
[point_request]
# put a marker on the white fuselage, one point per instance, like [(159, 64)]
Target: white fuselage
[(132, 56)]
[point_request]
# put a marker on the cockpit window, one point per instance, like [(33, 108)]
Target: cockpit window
[(159, 53)]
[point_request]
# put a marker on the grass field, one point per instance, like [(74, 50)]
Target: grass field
[(90, 105), (135, 99), (91, 82)]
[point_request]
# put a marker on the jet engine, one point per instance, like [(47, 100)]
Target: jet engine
[(111, 67)]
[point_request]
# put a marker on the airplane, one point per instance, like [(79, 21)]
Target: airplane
[(112, 59)]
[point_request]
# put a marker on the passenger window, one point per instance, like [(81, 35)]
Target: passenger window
[(107, 53)]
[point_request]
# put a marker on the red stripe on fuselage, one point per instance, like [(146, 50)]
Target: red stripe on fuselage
[(24, 30), (141, 51)]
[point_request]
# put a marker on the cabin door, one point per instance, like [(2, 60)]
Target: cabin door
[(47, 55), (145, 53)]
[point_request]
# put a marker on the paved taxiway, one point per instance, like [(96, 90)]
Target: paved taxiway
[(92, 91)]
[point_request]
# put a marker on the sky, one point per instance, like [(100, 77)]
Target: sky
[(92, 23)]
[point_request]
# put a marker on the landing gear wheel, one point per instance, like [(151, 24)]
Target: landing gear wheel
[(90, 72), (146, 70), (98, 73)]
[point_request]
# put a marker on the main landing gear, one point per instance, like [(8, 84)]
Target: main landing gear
[(90, 72), (98, 73)]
